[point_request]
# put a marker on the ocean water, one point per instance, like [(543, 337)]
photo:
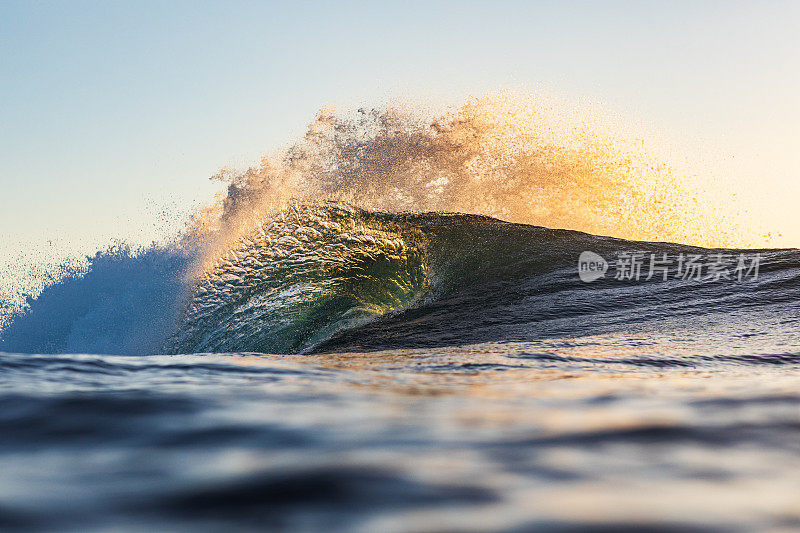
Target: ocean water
[(342, 369)]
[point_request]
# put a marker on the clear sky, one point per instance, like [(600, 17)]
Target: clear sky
[(114, 114)]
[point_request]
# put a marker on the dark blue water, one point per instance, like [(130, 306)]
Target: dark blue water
[(437, 374)]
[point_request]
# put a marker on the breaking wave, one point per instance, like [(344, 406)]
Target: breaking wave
[(124, 302), (349, 227)]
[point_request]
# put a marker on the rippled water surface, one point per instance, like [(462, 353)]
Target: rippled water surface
[(599, 433)]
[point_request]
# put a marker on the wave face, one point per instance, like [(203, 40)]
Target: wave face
[(331, 277), (301, 276)]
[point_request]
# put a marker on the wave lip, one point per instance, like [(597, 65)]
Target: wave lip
[(299, 277)]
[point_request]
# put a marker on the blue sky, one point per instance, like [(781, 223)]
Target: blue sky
[(115, 113)]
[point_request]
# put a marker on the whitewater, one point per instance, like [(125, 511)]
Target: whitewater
[(384, 328)]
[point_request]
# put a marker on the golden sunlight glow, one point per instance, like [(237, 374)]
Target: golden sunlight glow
[(530, 159)]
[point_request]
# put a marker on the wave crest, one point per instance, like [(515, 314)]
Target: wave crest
[(532, 161)]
